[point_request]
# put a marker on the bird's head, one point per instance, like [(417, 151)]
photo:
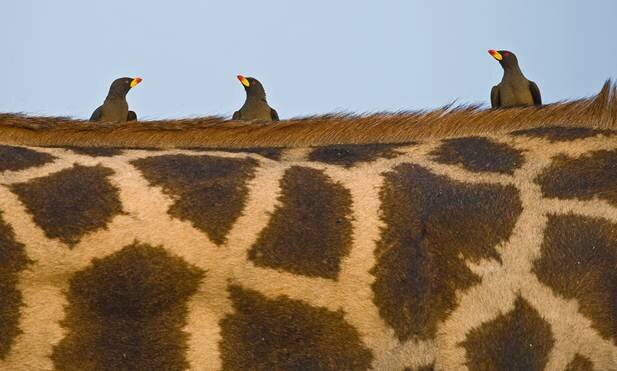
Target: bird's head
[(121, 86), (505, 57), (252, 86)]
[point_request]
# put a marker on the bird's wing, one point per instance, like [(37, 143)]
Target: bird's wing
[(535, 93), (96, 115), (236, 116), (132, 116), (495, 101), (274, 114)]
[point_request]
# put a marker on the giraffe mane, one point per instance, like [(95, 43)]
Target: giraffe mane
[(450, 121)]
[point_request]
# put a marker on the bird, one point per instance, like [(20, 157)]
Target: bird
[(514, 89), (255, 106), (115, 108)]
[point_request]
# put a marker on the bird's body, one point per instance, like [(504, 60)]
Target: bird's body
[(255, 106), (115, 108), (256, 109), (512, 92), (514, 89)]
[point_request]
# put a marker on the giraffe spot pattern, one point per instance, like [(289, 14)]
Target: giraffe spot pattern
[(579, 261), (563, 134), (479, 155), (127, 311), (322, 208), (580, 363), (72, 202), (13, 260), (517, 340), (285, 334), (209, 191), (432, 224), (583, 178), (19, 158), (349, 155)]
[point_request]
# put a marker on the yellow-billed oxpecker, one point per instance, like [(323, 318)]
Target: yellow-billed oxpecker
[(255, 106), (115, 108), (514, 89)]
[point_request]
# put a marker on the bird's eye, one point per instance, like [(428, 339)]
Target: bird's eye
[(506, 54)]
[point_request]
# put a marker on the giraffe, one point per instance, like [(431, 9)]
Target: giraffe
[(479, 248)]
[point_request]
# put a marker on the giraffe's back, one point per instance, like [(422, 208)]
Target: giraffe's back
[(484, 251)]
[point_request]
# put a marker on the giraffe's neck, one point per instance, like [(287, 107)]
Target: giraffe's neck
[(454, 254)]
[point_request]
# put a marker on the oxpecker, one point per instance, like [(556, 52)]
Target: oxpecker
[(255, 106), (115, 108), (514, 88)]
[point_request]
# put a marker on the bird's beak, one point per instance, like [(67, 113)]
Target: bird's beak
[(244, 81), (135, 81), (495, 54)]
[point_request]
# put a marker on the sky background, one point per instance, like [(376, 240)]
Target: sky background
[(59, 57)]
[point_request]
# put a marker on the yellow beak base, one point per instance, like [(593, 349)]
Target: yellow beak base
[(135, 82), (496, 55), (244, 81)]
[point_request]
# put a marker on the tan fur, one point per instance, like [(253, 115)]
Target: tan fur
[(598, 112)]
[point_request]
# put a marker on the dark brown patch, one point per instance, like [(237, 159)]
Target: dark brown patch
[(563, 134), (580, 363), (267, 152), (517, 340), (432, 225), (579, 261), (19, 158), (284, 334), (209, 191), (351, 154), (310, 232), (96, 151), (582, 178), (13, 260), (72, 202), (127, 311), (479, 154)]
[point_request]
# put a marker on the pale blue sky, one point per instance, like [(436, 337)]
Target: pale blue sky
[(59, 57)]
